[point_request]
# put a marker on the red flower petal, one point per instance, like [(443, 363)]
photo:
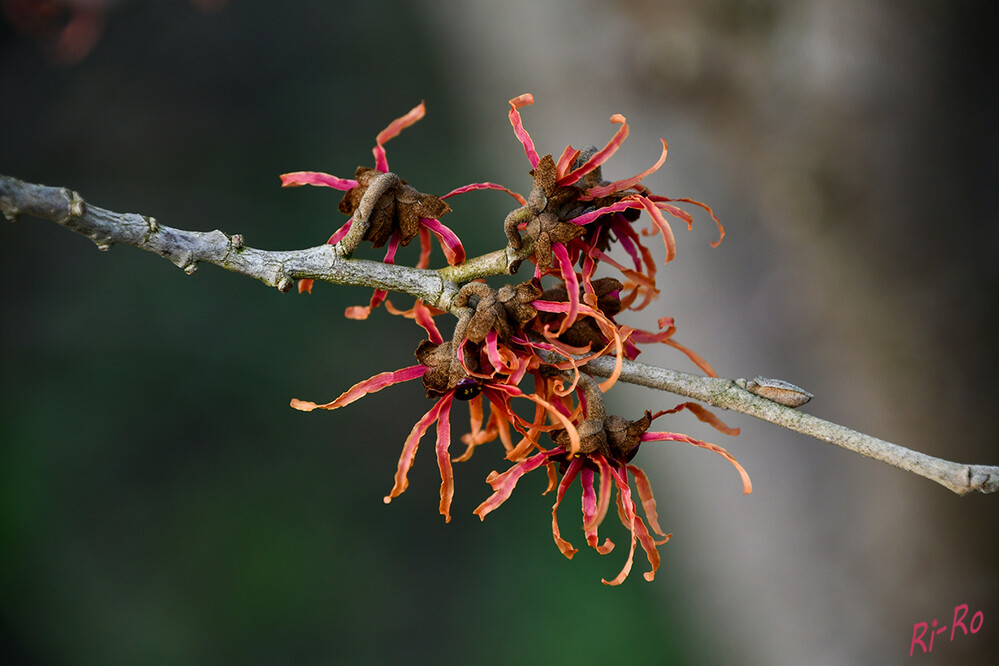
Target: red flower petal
[(486, 186), (593, 513), (626, 509), (361, 389), (450, 243), (704, 415), (618, 185), (297, 178), (570, 474), (518, 127), (409, 450), (747, 484), (661, 224), (565, 162), (568, 274), (443, 457), (503, 484), (600, 156), (392, 131), (648, 501)]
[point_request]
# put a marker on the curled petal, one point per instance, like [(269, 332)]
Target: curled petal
[(486, 186), (571, 471), (571, 284), (362, 312), (452, 247), (661, 224), (594, 506), (340, 233), (626, 509), (648, 501), (297, 178), (649, 546), (721, 229), (518, 127), (615, 207), (600, 156), (693, 356), (566, 161), (747, 484), (424, 260), (361, 389), (704, 415), (618, 185), (443, 457), (409, 449), (503, 484), (423, 315), (392, 131)]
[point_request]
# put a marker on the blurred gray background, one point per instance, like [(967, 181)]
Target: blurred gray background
[(160, 503)]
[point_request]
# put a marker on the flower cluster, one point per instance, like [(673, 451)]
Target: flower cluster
[(531, 341)]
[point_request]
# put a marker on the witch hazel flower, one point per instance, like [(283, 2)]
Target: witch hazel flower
[(573, 215), (398, 214), (603, 465), (444, 381)]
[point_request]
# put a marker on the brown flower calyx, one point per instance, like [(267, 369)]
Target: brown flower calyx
[(547, 206), (503, 311), (401, 207), (614, 437), (585, 330), (444, 371)]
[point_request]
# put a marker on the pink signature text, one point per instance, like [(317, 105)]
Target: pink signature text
[(923, 633)]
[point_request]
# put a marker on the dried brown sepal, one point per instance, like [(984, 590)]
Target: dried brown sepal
[(443, 370), (401, 207), (585, 330), (614, 437), (623, 436), (550, 204), (517, 299)]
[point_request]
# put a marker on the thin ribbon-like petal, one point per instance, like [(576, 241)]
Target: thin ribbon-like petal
[(409, 450), (565, 162), (503, 484), (568, 274), (626, 507), (648, 500), (618, 185), (443, 457), (392, 131), (485, 186), (453, 249), (571, 471), (361, 389), (600, 156), (704, 415), (298, 178), (518, 127), (747, 484)]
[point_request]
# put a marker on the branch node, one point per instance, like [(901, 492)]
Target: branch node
[(9, 211), (154, 226), (238, 242), (285, 284), (191, 268), (103, 247), (77, 206)]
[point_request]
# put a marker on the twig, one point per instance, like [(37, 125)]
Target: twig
[(331, 263), (727, 394)]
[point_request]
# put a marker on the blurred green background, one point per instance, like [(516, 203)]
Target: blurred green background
[(161, 503)]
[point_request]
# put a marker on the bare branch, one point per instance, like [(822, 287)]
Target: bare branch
[(331, 263), (727, 394)]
